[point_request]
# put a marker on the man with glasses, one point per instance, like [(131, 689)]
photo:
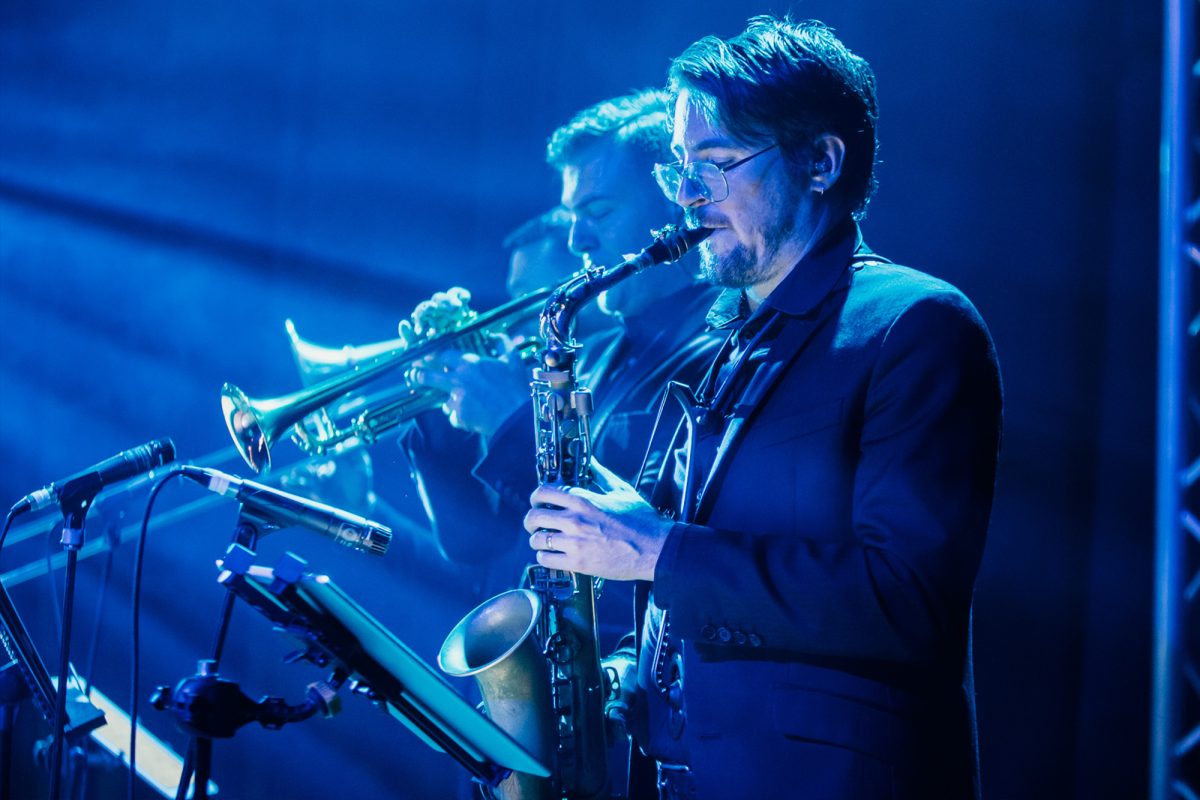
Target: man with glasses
[(808, 559)]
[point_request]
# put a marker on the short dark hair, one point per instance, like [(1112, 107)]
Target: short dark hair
[(638, 120), (788, 82), (553, 224)]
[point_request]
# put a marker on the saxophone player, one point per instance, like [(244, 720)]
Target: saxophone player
[(806, 570)]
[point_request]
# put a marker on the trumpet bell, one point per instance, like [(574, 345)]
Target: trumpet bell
[(246, 426), (316, 362)]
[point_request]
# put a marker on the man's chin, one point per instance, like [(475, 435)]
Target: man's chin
[(730, 269)]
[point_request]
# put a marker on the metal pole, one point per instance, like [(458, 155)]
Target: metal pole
[(1175, 305)]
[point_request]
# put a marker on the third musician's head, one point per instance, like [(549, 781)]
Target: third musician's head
[(773, 140), (606, 155), (537, 253)]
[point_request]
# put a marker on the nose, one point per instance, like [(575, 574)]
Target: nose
[(689, 194), (582, 238), (515, 283)]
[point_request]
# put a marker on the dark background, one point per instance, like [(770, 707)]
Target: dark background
[(177, 178)]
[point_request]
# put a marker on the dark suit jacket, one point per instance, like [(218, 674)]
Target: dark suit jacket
[(823, 588)]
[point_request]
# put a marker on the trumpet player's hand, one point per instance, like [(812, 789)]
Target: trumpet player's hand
[(612, 533), (481, 392)]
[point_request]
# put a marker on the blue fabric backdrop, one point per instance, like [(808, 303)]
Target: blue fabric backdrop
[(176, 179)]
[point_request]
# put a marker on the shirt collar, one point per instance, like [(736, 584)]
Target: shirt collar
[(806, 285)]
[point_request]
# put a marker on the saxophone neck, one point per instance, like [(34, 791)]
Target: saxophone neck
[(670, 244)]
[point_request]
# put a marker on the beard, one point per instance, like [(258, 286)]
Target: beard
[(741, 267)]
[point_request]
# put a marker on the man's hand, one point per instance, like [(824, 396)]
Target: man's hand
[(614, 534), (481, 392)]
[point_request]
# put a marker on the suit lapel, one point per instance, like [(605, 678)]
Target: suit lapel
[(787, 346)]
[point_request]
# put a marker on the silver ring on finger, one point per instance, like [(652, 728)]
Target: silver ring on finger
[(549, 541)]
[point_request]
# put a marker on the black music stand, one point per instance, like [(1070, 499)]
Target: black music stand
[(20, 659), (337, 631)]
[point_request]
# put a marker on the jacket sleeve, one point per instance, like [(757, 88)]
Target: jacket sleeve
[(469, 519), (897, 585), (507, 463)]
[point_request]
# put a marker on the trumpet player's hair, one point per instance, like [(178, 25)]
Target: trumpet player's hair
[(553, 224), (638, 121), (788, 83)]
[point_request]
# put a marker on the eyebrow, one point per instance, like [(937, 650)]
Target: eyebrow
[(590, 201), (711, 143)]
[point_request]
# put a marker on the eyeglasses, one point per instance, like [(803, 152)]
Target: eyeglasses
[(708, 177)]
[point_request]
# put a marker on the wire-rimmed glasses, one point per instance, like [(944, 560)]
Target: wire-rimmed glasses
[(708, 177)]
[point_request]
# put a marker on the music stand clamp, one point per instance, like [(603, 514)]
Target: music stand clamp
[(208, 705), (337, 631)]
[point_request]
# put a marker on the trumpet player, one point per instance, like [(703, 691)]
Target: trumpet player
[(807, 568), (604, 155)]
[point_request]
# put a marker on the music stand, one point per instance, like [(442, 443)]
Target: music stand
[(20, 657), (337, 631)]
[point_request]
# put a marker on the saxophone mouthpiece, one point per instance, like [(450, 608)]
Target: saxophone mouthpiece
[(672, 242)]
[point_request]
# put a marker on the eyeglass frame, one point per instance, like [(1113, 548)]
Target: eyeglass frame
[(683, 170)]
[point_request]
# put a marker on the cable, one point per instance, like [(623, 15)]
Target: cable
[(90, 664), (7, 524), (136, 632), (56, 592)]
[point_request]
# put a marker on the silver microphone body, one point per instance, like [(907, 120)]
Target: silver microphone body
[(282, 509)]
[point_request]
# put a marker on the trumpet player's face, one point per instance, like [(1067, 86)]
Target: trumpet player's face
[(614, 203)]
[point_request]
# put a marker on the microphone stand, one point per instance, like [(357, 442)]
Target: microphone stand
[(75, 501), (198, 760)]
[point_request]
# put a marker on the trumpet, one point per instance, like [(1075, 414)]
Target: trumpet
[(256, 424), (315, 361)]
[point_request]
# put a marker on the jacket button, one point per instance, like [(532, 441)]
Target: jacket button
[(723, 634), (739, 637), (708, 632), (755, 640)]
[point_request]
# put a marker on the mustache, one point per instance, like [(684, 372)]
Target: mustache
[(702, 218)]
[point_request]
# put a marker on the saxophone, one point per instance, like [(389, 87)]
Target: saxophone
[(534, 651)]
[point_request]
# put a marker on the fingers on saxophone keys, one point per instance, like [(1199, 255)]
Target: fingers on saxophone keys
[(535, 519), (555, 497), (553, 560), (545, 540)]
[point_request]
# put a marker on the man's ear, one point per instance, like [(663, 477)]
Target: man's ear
[(830, 154)]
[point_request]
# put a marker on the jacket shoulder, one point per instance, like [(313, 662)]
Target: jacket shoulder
[(882, 293)]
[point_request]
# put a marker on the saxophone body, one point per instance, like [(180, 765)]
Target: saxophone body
[(534, 651)]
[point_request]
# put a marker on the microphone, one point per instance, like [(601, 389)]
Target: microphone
[(282, 509), (122, 466)]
